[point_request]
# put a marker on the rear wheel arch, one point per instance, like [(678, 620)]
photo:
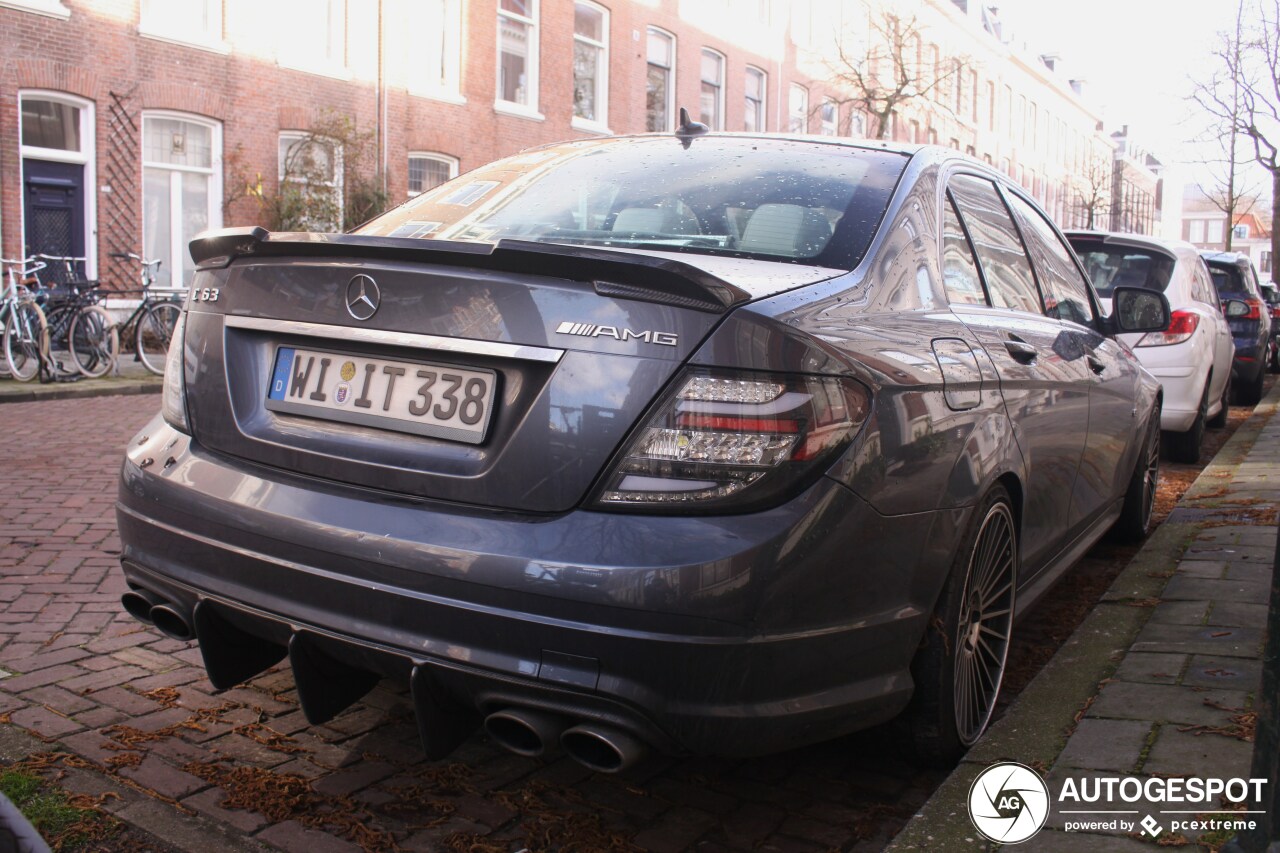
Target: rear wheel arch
[(1013, 486)]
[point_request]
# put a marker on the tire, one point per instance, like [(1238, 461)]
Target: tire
[(155, 330), (1273, 363), (26, 341), (960, 664), (1134, 522), (1185, 446), (94, 341), (1251, 394), (1219, 420)]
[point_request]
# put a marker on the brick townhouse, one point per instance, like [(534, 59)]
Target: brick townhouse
[(131, 125)]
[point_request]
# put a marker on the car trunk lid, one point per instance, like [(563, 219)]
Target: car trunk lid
[(557, 352)]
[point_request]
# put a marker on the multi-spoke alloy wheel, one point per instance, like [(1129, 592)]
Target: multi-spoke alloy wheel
[(986, 617), (960, 663)]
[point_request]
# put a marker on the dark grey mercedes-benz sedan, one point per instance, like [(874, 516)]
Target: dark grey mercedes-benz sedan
[(705, 443)]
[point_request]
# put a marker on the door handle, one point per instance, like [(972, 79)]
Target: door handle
[(1021, 351), (1097, 365)]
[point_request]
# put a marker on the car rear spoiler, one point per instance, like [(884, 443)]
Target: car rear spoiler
[(615, 273)]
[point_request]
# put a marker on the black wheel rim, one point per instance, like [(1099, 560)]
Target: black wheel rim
[(986, 618)]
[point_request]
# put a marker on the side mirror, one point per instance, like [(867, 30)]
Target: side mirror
[(1136, 309), (1235, 308)]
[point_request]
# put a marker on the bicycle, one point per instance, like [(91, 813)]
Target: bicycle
[(150, 327), (26, 336), (79, 324)]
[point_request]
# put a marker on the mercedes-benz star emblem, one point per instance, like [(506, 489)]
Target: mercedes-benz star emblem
[(363, 297)]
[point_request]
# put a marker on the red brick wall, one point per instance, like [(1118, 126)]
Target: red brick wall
[(98, 51)]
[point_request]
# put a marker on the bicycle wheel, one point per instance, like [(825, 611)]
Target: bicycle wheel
[(26, 341), (155, 330), (94, 341), (4, 362)]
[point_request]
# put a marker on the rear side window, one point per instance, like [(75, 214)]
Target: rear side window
[(1110, 265), (1066, 295), (959, 270), (1202, 289), (1010, 281), (1226, 280)]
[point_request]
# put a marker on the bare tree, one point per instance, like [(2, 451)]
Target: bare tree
[(885, 71), (1230, 192), (1244, 94), (1091, 193)]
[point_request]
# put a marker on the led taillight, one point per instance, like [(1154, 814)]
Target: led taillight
[(1182, 325), (720, 434)]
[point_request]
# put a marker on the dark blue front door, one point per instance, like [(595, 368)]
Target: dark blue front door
[(53, 202)]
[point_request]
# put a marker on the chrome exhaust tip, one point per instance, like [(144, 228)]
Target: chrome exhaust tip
[(138, 603), (602, 749), (524, 732), (172, 623)]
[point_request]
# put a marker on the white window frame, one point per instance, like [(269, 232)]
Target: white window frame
[(178, 249), (298, 58), (449, 89), (451, 162), (762, 111), (830, 128), (150, 25), (720, 101), (50, 8), (336, 184), (527, 110), (86, 156), (791, 109), (671, 73), (600, 124)]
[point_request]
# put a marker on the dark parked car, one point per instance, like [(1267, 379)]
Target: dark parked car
[(1234, 278), (1271, 295), (706, 444)]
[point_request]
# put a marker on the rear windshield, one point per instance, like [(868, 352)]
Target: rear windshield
[(1229, 281), (1110, 266), (771, 199)]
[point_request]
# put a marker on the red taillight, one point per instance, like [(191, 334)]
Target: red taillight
[(1182, 325), (728, 441)]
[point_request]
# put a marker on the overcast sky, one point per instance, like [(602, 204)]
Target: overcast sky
[(1139, 58)]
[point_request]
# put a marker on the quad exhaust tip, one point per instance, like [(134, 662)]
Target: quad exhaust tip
[(602, 749), (171, 622), (530, 733), (138, 603), (151, 609)]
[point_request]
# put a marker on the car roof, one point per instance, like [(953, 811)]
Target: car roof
[(1178, 249), (1224, 258)]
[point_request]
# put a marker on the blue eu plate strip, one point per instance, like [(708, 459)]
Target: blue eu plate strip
[(280, 379)]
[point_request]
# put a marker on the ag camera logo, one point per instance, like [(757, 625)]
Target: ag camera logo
[(1008, 803)]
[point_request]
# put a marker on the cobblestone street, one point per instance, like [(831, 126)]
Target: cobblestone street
[(125, 707)]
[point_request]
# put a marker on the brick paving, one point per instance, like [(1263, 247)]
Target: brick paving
[(244, 765)]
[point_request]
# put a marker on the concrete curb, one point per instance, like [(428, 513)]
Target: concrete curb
[(1035, 728), (135, 381)]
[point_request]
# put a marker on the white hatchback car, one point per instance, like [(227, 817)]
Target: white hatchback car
[(1192, 358)]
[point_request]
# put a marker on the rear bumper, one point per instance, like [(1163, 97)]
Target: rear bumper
[(729, 635)]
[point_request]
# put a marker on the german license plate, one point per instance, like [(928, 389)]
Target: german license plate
[(438, 400)]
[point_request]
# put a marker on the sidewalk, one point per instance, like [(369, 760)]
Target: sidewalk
[(130, 378), (1159, 678)]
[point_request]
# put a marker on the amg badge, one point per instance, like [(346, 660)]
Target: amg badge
[(589, 330)]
